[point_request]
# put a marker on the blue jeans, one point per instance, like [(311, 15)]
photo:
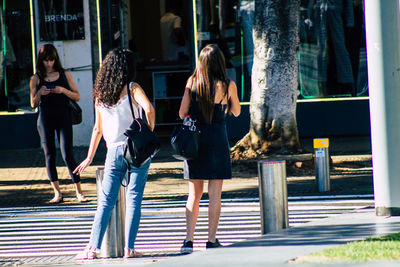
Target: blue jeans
[(114, 172)]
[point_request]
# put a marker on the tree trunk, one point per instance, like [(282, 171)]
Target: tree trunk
[(273, 126)]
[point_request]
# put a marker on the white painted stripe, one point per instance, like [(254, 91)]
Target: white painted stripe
[(162, 228)]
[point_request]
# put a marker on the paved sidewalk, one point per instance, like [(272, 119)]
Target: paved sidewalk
[(283, 247), (280, 248), (23, 182), (23, 178)]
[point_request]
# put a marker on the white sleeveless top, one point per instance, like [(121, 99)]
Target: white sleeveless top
[(115, 120)]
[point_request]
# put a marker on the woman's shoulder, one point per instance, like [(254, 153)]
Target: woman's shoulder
[(66, 73), (189, 82), (35, 76), (133, 86), (231, 85)]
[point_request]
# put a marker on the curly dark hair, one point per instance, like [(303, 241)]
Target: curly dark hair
[(117, 70)]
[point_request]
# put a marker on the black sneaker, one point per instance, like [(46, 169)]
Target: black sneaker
[(187, 247), (216, 244)]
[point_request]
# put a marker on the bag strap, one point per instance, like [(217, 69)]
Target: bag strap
[(139, 110), (138, 107)]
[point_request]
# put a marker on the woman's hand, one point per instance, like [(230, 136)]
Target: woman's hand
[(58, 90), (44, 91), (82, 166)]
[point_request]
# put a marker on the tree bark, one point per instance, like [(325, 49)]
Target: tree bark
[(273, 126)]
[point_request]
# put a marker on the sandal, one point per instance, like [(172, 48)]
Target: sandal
[(131, 253), (81, 198), (56, 200), (88, 254)]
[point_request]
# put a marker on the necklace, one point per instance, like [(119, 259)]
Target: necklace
[(50, 76)]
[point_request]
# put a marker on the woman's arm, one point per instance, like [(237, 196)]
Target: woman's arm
[(36, 93), (234, 99), (140, 97), (97, 133), (73, 93), (185, 103)]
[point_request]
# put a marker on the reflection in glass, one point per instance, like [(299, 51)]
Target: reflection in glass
[(332, 48), (228, 23), (16, 56), (174, 42), (332, 58)]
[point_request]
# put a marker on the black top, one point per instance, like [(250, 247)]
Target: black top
[(214, 160), (53, 107)]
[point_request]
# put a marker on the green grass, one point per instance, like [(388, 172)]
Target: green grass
[(371, 249)]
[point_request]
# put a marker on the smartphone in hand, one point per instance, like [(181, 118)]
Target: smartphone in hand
[(50, 86)]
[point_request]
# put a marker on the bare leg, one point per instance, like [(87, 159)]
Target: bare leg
[(79, 195), (78, 188), (214, 207), (57, 192), (192, 206)]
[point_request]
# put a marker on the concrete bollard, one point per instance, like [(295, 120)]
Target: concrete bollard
[(114, 238), (321, 148), (273, 195)]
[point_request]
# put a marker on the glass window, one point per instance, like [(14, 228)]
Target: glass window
[(110, 14), (228, 23), (165, 38), (16, 56), (332, 58)]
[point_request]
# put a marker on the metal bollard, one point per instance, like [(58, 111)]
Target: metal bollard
[(273, 195), (114, 238), (321, 146)]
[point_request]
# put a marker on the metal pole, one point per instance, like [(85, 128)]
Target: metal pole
[(114, 237), (383, 50), (321, 146), (273, 195)]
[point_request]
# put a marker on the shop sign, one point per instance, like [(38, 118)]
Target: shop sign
[(61, 20)]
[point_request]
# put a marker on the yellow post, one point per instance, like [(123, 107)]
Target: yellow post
[(321, 148)]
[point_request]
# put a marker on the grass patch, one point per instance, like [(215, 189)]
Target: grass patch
[(384, 248)]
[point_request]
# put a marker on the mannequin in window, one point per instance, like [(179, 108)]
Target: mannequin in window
[(329, 16), (8, 63), (173, 41)]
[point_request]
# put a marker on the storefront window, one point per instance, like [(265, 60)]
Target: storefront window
[(110, 14), (16, 56), (228, 23), (159, 31), (332, 58)]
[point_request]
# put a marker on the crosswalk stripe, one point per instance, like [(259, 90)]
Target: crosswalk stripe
[(65, 230)]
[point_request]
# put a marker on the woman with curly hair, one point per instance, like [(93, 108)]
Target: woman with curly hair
[(113, 116)]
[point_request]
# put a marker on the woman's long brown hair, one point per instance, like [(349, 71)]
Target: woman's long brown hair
[(48, 52), (209, 71)]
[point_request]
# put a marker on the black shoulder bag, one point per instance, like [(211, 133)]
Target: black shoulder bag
[(141, 142), (185, 140), (75, 109)]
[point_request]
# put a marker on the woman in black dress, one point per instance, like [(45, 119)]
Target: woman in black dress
[(208, 97), (51, 87)]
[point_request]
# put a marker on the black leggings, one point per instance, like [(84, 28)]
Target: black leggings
[(64, 135)]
